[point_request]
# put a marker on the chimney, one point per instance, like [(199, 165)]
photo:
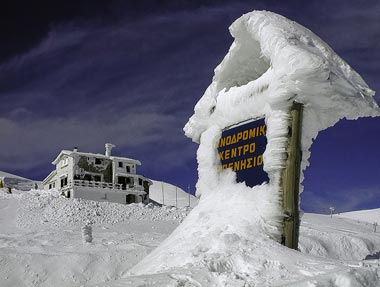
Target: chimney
[(109, 147), (75, 149)]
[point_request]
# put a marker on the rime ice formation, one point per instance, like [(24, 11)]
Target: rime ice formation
[(272, 63)]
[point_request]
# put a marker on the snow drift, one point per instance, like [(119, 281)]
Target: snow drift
[(234, 230)]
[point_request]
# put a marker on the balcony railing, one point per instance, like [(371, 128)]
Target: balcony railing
[(97, 184)]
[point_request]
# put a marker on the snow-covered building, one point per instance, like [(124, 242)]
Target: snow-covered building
[(99, 177)]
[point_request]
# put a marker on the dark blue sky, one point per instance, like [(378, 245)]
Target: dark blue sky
[(82, 73)]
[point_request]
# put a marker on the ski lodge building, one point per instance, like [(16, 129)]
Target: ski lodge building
[(100, 177)]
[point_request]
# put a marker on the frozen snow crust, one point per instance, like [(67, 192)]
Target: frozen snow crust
[(234, 230)]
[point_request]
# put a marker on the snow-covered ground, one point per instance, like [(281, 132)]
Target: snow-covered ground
[(41, 241), (370, 216), (337, 237), (41, 245)]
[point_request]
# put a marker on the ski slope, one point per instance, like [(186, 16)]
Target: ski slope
[(370, 216), (9, 175), (12, 180)]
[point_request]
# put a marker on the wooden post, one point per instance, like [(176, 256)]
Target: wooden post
[(291, 179)]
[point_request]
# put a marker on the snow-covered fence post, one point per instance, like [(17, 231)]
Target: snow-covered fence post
[(291, 179), (87, 233)]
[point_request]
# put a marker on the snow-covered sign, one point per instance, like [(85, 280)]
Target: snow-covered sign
[(241, 148), (273, 66)]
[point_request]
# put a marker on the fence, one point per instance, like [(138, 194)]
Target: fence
[(97, 184), (168, 194)]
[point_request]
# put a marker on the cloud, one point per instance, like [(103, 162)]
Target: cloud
[(82, 86), (134, 82), (343, 199), (27, 144), (156, 60), (351, 29)]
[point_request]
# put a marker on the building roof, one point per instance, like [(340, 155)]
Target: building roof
[(97, 155), (50, 176), (125, 159)]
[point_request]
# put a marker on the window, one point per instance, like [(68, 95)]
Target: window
[(140, 181), (98, 161), (146, 186), (63, 181), (128, 169), (65, 162), (130, 180), (120, 164), (87, 177), (130, 198)]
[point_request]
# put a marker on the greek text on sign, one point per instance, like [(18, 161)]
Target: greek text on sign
[(241, 148)]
